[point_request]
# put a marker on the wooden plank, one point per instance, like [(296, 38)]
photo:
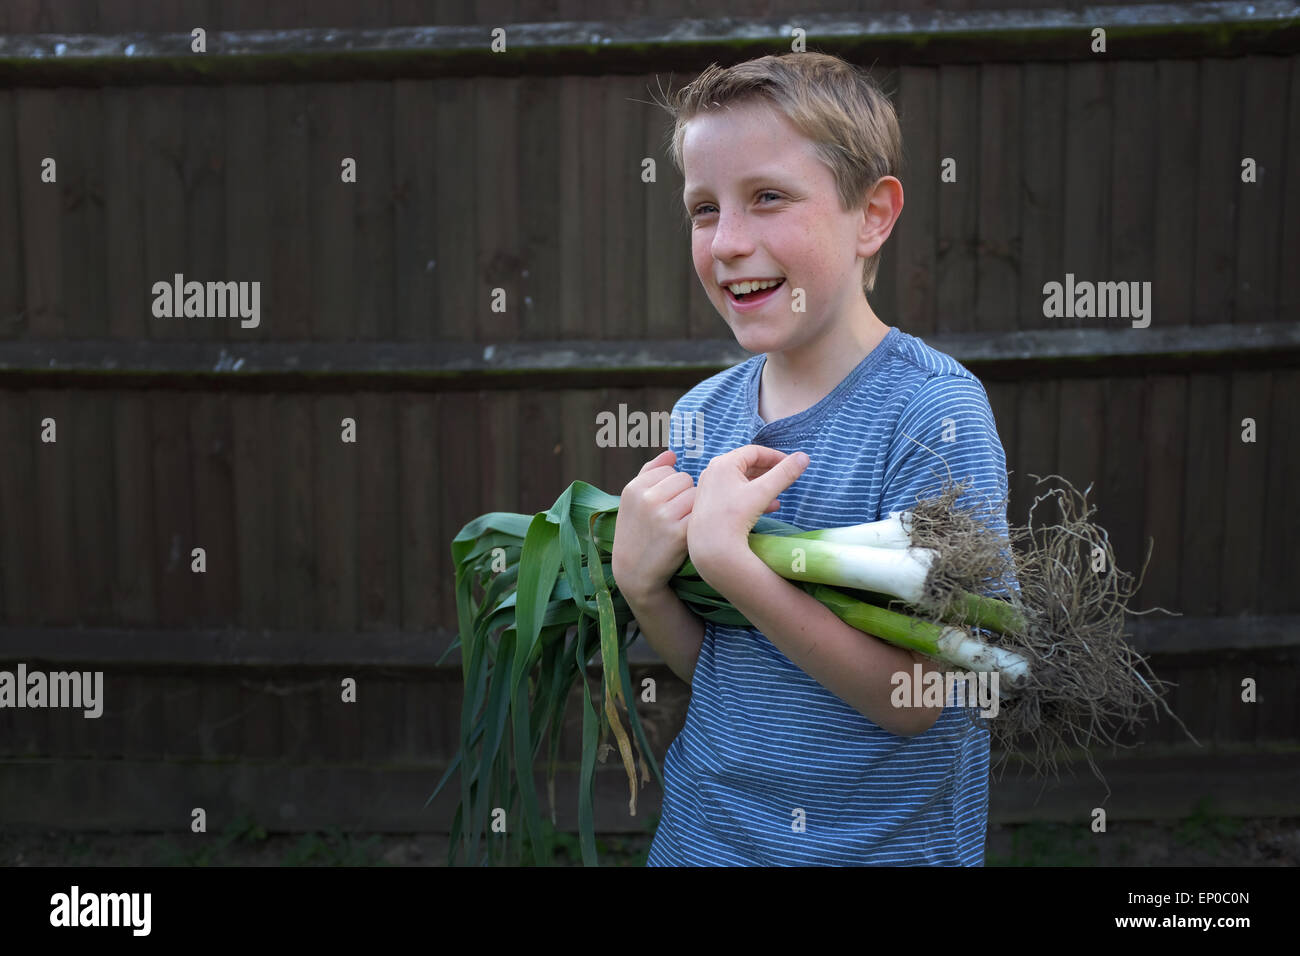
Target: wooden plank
[(1133, 186), (215, 526), (36, 128), (1218, 161), (337, 509), (341, 721), (13, 317), (1278, 585), (668, 267), (93, 518), (1238, 720), (1085, 252), (1288, 290), (80, 141), (143, 719), (539, 208), (262, 579), (625, 279), (293, 496), (1080, 436), (540, 443), (251, 224), (573, 187), (1000, 147), (912, 244), (334, 137), (135, 583), (182, 708), (596, 247), (374, 306), (172, 454), (958, 203), (423, 552), (204, 160), (1277, 714), (1246, 523), (1036, 448), (106, 735), (56, 548), (1164, 444), (460, 487), (498, 451), (497, 264), (415, 216), (378, 503), (20, 436), (1177, 113), (166, 229), (1042, 202), (287, 295), (219, 730), (260, 719), (1258, 252), (461, 308), (1120, 491), (1209, 433), (1004, 403), (128, 299)]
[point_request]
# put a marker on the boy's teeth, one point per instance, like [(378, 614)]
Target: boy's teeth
[(741, 288)]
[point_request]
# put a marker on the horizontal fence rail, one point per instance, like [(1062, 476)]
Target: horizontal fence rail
[(634, 45), (200, 365)]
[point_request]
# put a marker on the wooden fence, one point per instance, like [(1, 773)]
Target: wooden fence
[(327, 560)]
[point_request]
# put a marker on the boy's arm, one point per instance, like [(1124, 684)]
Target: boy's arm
[(852, 665), (670, 628), (855, 667), (951, 418)]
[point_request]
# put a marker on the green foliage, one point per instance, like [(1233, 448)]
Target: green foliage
[(1049, 844), (211, 850), (333, 848), (536, 604), (1206, 829)]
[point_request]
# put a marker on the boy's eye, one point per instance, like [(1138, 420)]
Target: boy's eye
[(707, 208)]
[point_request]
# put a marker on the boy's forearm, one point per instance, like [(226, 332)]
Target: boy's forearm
[(854, 666), (672, 630)]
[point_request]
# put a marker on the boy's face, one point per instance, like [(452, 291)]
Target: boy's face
[(764, 206)]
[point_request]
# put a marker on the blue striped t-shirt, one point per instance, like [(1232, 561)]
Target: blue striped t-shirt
[(771, 768)]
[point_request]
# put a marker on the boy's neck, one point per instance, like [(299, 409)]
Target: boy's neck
[(797, 379)]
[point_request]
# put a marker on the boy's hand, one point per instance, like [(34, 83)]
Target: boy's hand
[(650, 534), (734, 491)]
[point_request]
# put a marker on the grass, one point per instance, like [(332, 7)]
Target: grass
[(329, 848), (1048, 844), (1207, 829)]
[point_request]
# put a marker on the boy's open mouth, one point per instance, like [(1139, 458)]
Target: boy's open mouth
[(756, 290)]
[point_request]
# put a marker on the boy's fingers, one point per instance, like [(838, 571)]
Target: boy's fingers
[(783, 474), (665, 457)]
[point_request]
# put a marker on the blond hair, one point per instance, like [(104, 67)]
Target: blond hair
[(831, 102)]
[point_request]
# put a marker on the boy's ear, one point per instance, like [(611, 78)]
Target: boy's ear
[(881, 207)]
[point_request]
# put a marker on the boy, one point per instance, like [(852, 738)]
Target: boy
[(792, 752)]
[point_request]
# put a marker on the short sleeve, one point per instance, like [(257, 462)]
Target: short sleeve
[(948, 428)]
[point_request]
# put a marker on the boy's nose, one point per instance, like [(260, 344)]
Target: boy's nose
[(731, 238)]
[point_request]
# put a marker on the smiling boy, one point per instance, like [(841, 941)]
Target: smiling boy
[(792, 752)]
